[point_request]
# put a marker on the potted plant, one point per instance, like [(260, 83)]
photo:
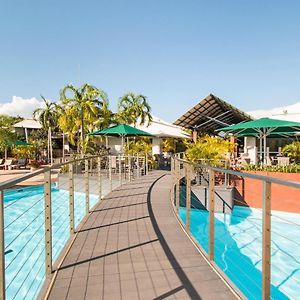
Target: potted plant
[(34, 165)]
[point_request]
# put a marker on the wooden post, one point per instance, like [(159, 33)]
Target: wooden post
[(2, 248), (266, 242), (188, 169), (211, 214), (177, 180), (87, 186), (48, 222), (109, 173), (71, 198), (120, 170), (99, 178)]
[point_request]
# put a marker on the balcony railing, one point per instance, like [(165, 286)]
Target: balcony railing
[(41, 211), (247, 226)]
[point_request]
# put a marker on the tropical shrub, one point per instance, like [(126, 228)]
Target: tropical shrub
[(291, 168), (173, 145), (292, 150), (208, 150)]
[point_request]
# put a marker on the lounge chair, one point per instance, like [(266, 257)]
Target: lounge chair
[(21, 163), (8, 164)]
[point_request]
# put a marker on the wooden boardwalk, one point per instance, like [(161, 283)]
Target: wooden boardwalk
[(132, 247)]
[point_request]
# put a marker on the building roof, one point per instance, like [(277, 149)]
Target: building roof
[(28, 123), (210, 114), (161, 128)]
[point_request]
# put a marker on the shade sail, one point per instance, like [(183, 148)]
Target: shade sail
[(121, 130), (263, 126)]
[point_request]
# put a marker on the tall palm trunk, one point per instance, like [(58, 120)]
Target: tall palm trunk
[(48, 147), (50, 152)]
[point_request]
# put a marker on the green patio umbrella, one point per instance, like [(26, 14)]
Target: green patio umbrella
[(263, 128), (121, 130), (19, 143), (15, 143)]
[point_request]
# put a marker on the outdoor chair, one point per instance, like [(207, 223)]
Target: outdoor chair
[(21, 163), (8, 164), (283, 161)]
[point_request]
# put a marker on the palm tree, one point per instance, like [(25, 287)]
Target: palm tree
[(132, 107), (86, 108), (48, 119)]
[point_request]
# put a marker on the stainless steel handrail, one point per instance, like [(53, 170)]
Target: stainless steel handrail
[(245, 174), (267, 182)]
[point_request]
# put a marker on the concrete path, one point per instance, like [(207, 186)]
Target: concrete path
[(132, 247)]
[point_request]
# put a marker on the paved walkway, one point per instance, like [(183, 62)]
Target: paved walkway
[(132, 247)]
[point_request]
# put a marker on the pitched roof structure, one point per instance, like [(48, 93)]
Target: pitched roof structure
[(210, 114), (28, 123)]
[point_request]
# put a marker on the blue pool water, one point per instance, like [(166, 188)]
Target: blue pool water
[(238, 249), (24, 235)]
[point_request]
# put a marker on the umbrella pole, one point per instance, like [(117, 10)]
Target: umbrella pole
[(5, 153), (260, 150), (265, 149), (106, 142), (122, 145)]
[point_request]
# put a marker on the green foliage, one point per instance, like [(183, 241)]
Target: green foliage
[(140, 146), (173, 145), (208, 150), (7, 136), (132, 107), (47, 116), (292, 150), (291, 168), (82, 110)]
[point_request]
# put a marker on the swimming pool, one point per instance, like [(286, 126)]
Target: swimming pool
[(238, 246), (24, 235)]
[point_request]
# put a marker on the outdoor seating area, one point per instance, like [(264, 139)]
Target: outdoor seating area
[(10, 164)]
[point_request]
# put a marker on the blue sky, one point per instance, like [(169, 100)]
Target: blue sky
[(174, 52)]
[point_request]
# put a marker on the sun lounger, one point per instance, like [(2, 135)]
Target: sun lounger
[(8, 165), (21, 163)]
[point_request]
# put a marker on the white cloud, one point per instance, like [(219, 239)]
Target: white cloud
[(289, 112), (21, 107)]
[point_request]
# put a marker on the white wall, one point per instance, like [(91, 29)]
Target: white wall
[(251, 149)]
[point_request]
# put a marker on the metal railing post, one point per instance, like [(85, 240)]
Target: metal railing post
[(129, 168), (138, 165), (120, 170), (266, 241), (87, 186), (211, 236), (188, 169), (99, 178), (109, 173), (177, 181), (48, 222), (2, 247), (146, 162), (71, 198)]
